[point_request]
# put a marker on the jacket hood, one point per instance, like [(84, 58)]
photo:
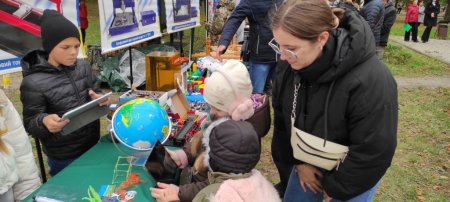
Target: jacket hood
[(36, 61), (353, 43)]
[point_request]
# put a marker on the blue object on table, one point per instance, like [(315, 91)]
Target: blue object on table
[(140, 123), (195, 98)]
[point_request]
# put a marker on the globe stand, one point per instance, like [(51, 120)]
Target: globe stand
[(136, 158)]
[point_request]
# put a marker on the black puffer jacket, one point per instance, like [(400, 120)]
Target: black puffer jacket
[(390, 14), (430, 8), (260, 33), (362, 108), (45, 90), (373, 12)]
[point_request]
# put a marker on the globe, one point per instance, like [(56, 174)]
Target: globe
[(140, 123)]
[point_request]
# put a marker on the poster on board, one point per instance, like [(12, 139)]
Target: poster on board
[(182, 14), (20, 29), (124, 23)]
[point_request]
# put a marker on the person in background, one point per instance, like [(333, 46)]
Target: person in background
[(262, 58), (341, 91), (373, 12), (412, 18), (349, 5), (421, 13), (230, 157), (431, 13), (227, 91), (19, 175), (390, 15), (399, 7), (54, 82), (84, 23)]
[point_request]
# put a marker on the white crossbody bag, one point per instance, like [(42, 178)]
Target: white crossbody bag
[(314, 150)]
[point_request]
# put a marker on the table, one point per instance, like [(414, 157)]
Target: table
[(95, 168)]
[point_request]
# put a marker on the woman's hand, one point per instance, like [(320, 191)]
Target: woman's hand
[(326, 198), (165, 192), (307, 175), (54, 123), (94, 96)]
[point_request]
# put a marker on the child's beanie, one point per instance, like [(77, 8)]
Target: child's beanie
[(231, 147), (229, 89), (55, 28)]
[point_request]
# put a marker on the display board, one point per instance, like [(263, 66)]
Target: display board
[(182, 14), (127, 22), (20, 29)]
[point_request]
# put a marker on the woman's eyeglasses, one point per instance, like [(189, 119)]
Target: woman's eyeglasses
[(290, 55)]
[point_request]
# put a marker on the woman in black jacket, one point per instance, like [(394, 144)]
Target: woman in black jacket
[(431, 13), (343, 94), (54, 82)]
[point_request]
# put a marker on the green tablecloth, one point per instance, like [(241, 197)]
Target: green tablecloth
[(95, 168)]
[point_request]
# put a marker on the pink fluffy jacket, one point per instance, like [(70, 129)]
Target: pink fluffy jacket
[(253, 188)]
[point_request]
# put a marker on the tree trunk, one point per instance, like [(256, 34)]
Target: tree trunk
[(447, 13)]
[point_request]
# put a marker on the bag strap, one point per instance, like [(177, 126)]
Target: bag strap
[(326, 112), (297, 85)]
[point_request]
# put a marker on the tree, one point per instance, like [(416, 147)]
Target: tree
[(447, 12)]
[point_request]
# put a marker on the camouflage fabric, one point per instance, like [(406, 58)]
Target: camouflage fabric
[(221, 14)]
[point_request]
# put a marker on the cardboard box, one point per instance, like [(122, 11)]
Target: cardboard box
[(178, 104)]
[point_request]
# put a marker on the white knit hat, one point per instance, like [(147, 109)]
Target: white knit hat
[(229, 89)]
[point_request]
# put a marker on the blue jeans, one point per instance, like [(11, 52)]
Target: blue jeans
[(259, 73), (294, 192), (57, 165)]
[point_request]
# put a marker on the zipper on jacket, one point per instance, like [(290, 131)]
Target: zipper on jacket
[(74, 87), (257, 46)]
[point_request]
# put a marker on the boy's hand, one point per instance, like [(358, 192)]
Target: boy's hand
[(165, 192), (94, 96), (54, 123)]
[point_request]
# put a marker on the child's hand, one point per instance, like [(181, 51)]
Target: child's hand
[(94, 96), (165, 192), (54, 123), (178, 157)]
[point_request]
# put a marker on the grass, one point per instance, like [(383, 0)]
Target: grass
[(421, 162), (403, 61)]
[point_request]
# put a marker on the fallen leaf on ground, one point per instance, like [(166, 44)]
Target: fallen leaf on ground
[(421, 198)]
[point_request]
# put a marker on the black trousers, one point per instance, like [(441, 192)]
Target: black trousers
[(83, 35), (426, 33), (413, 30)]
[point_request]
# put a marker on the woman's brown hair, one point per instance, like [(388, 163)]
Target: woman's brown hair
[(306, 19)]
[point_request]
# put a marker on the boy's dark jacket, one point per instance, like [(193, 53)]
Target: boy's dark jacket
[(49, 90), (362, 109)]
